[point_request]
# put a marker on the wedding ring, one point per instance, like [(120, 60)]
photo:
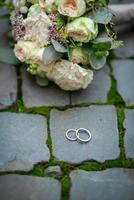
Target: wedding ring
[(85, 131), (71, 138)]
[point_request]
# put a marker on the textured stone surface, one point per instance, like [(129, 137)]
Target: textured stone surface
[(97, 90), (120, 1), (53, 170), (8, 85), (117, 184), (14, 187), (124, 73), (33, 95), (129, 134), (102, 123), (4, 28), (22, 141), (127, 50)]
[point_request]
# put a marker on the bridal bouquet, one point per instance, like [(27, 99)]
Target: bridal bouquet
[(63, 40)]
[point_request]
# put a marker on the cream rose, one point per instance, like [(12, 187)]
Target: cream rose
[(37, 28), (28, 52), (67, 75), (82, 29), (72, 8)]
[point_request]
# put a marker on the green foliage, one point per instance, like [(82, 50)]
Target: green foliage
[(97, 61), (50, 55), (58, 46), (7, 56), (101, 15), (42, 81)]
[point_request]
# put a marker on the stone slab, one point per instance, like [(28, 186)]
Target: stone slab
[(8, 85), (123, 71), (53, 170), (14, 187), (102, 123), (22, 141), (129, 133), (97, 91), (4, 30), (117, 184), (35, 96), (127, 50)]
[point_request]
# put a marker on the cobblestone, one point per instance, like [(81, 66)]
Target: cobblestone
[(8, 85), (14, 187), (34, 96), (22, 141), (123, 71), (102, 123), (109, 184), (129, 134)]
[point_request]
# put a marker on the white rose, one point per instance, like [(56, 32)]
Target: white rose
[(37, 28), (28, 52), (67, 75)]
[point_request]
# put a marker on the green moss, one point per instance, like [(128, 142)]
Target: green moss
[(38, 171), (113, 96), (120, 118), (119, 163), (66, 185), (20, 108)]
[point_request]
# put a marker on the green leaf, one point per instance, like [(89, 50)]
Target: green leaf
[(7, 56), (101, 53), (96, 62), (58, 47), (42, 81), (116, 44), (101, 16), (104, 2), (103, 44), (50, 55)]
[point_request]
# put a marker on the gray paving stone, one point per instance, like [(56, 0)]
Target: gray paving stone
[(123, 71), (14, 187), (4, 29), (120, 1), (117, 184), (22, 141), (102, 123), (33, 95), (129, 133), (127, 50), (53, 170), (8, 85), (96, 91)]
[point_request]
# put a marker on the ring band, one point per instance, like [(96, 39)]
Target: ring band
[(85, 131), (70, 138)]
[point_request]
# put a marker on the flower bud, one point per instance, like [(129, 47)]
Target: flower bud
[(77, 55)]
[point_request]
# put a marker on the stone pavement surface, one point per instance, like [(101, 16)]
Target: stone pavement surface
[(102, 123), (20, 137), (112, 184), (14, 187), (35, 155)]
